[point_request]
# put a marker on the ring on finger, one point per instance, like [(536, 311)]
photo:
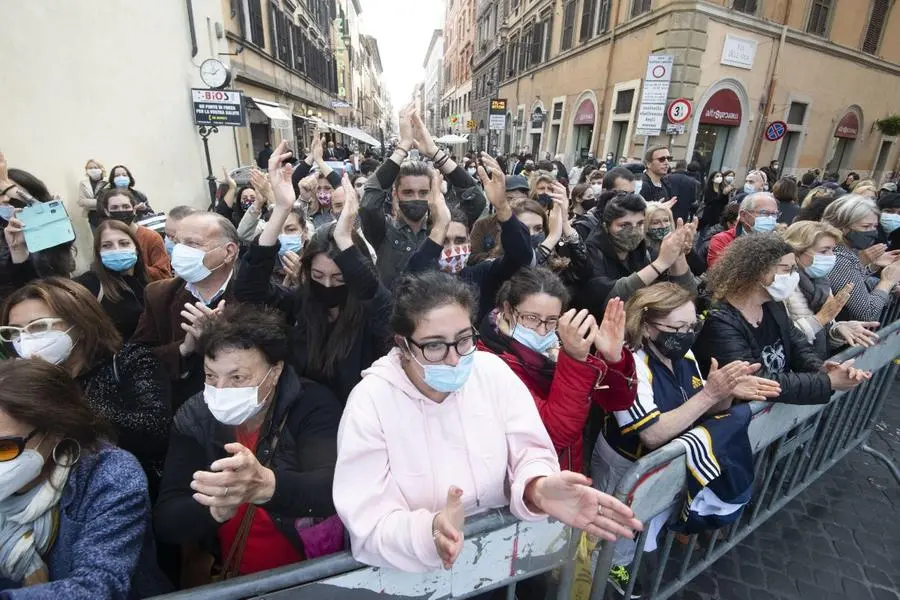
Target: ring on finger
[(226, 493), (599, 509)]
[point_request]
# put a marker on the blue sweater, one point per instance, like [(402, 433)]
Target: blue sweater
[(105, 546)]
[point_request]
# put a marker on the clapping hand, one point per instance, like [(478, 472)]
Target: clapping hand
[(610, 337), (871, 254), (720, 383), (672, 246), (280, 177), (194, 315), (447, 528), (577, 331), (233, 481), (437, 207), (421, 134), (260, 183), (343, 231), (845, 376), (228, 179), (494, 182), (751, 387), (834, 305), (858, 333)]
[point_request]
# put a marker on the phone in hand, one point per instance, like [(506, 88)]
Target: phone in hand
[(47, 225), (545, 200)]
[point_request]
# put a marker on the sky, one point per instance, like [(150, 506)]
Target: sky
[(403, 29)]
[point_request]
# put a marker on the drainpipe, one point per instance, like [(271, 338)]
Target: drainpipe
[(189, 4), (772, 80), (612, 47)]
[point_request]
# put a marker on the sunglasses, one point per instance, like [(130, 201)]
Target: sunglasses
[(11, 447)]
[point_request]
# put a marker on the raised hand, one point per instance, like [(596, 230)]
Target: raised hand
[(610, 337), (228, 179), (569, 497), (264, 192), (440, 212), (871, 254), (577, 330), (318, 148), (834, 305), (670, 203), (494, 182), (291, 263), (421, 134), (447, 528), (690, 234), (194, 315), (15, 240), (343, 232), (672, 246), (280, 177)]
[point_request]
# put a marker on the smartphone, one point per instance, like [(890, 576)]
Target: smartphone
[(545, 200), (47, 225)]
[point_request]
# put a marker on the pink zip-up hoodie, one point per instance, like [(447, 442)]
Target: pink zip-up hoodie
[(399, 453)]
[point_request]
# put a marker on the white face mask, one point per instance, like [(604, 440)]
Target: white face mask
[(233, 406), (52, 346), (94, 174), (188, 263), (783, 286), (717, 179), (19, 472)]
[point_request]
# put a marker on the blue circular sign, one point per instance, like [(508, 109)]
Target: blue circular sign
[(776, 130)]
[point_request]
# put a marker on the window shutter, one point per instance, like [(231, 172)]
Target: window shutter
[(587, 20), (876, 25)]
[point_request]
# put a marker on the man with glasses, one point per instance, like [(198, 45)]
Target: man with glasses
[(758, 214), (654, 183)]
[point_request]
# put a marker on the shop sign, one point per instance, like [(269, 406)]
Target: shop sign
[(340, 104), (675, 129), (738, 52), (848, 127), (586, 113), (723, 108), (222, 108), (537, 118), (497, 116)]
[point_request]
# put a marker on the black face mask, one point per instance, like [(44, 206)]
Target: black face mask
[(674, 345), (125, 216), (329, 296), (862, 239), (414, 210), (588, 204), (537, 239)]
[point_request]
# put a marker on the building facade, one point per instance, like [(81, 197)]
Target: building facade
[(433, 83), (485, 69), (459, 42), (574, 71)]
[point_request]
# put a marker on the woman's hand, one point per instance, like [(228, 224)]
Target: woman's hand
[(844, 376), (556, 218), (750, 387), (291, 263), (343, 232), (887, 258), (228, 179), (493, 180), (280, 177), (577, 331), (610, 337), (834, 305), (720, 383), (871, 254), (891, 273), (15, 240), (569, 497), (230, 482), (858, 333), (318, 148), (264, 193), (672, 246), (690, 234), (447, 528)]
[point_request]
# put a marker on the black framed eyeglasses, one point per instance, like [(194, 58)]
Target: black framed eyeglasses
[(689, 328), (13, 446), (438, 351), (532, 321)]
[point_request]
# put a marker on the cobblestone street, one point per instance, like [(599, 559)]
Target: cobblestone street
[(838, 539)]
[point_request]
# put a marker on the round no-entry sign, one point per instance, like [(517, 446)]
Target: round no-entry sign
[(679, 110), (776, 130)]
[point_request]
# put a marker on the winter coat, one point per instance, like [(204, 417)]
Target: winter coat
[(863, 305), (688, 191), (564, 390), (726, 336), (400, 452)]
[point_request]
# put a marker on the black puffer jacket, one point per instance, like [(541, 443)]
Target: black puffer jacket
[(728, 337), (303, 462)]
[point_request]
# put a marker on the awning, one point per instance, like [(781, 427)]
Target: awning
[(453, 138), (355, 133), (280, 117)]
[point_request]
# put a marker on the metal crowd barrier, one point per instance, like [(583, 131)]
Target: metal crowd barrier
[(793, 444)]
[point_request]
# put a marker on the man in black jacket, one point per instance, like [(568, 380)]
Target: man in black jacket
[(686, 189), (654, 183)]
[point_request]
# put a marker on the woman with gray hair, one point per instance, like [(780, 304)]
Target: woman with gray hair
[(856, 217)]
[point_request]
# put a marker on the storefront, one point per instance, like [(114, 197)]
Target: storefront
[(536, 131), (842, 143), (262, 117), (717, 131), (583, 128)]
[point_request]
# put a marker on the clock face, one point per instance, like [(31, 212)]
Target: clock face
[(214, 73)]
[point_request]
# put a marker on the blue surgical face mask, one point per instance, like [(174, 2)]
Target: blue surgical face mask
[(188, 264), (889, 221), (7, 211), (446, 378), (170, 246), (290, 242), (532, 339), (122, 181), (821, 266), (764, 224), (748, 188), (118, 260)]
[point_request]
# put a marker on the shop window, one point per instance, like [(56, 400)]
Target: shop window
[(796, 113), (877, 19), (639, 7), (587, 19), (624, 100), (745, 6), (819, 17), (568, 25)]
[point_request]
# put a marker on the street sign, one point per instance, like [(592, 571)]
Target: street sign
[(654, 94), (471, 124), (340, 104), (221, 108), (776, 130), (679, 110), (675, 129), (497, 116)]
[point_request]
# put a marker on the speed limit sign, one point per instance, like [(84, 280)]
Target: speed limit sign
[(679, 110)]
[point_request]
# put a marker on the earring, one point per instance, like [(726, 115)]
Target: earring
[(77, 452)]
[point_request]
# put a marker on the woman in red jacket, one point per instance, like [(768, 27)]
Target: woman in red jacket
[(551, 352)]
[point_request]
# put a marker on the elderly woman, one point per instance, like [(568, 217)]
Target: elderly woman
[(750, 282), (89, 188), (74, 511), (812, 306), (858, 257), (436, 431), (60, 322), (251, 459), (660, 222)]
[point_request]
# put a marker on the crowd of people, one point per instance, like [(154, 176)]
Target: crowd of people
[(354, 358)]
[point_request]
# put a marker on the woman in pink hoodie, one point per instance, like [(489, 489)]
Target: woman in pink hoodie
[(435, 430)]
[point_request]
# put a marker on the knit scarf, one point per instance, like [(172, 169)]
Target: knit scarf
[(28, 526)]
